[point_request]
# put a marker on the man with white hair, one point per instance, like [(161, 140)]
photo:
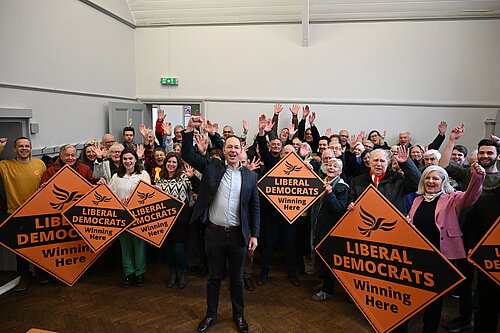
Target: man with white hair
[(393, 185)]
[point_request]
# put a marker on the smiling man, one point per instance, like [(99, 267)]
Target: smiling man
[(228, 203), (393, 185), (477, 222), (21, 177)]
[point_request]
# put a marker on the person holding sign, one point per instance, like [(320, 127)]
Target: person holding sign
[(21, 177), (228, 203), (435, 214), (175, 180), (325, 213), (128, 174)]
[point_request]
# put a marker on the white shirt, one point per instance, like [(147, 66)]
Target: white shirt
[(123, 186), (225, 207)]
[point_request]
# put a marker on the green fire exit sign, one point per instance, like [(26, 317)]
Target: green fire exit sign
[(168, 80)]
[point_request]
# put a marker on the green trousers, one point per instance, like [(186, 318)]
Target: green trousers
[(133, 254)]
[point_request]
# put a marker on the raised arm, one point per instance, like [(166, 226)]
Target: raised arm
[(455, 134), (187, 150)]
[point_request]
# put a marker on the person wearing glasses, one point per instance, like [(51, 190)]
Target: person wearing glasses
[(104, 167)]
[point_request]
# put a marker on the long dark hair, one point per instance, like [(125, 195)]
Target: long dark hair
[(178, 170), (121, 168)]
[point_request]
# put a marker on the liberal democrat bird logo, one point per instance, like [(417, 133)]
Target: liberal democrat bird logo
[(64, 197), (100, 198), (374, 224), (144, 196), (291, 168)]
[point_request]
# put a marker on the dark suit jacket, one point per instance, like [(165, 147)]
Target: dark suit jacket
[(213, 170)]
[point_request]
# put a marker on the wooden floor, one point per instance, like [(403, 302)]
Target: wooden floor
[(98, 303)]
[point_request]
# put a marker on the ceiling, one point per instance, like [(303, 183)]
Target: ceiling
[(188, 12)]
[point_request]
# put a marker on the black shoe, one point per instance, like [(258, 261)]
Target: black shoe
[(205, 324), (183, 280), (249, 284), (172, 279), (24, 282), (129, 281), (140, 281), (241, 324), (293, 280), (262, 279)]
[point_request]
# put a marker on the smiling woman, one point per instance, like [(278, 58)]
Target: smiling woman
[(127, 176)]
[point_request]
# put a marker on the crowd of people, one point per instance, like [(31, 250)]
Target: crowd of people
[(451, 197)]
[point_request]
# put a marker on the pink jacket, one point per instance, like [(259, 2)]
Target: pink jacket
[(447, 211)]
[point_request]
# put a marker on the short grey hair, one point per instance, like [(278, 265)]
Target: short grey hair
[(433, 152), (386, 153), (446, 187), (336, 160), (116, 145)]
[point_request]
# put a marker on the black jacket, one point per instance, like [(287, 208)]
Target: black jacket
[(394, 186), (213, 170)]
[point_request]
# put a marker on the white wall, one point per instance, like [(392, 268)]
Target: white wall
[(65, 45), (436, 63)]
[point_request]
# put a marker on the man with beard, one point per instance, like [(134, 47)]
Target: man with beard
[(478, 220)]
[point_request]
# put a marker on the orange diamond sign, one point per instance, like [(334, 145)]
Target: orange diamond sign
[(388, 268), (155, 212), (38, 232), (291, 187), (99, 217), (486, 254)]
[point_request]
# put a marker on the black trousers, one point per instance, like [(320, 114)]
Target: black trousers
[(488, 307), (222, 246), (23, 266), (275, 225)]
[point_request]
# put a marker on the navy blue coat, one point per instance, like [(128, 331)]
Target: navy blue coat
[(213, 170)]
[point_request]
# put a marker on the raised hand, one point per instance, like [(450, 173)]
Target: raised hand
[(188, 170), (262, 122), (312, 117), (457, 132), (194, 122), (97, 150), (3, 142), (291, 130), (167, 128), (208, 127), (255, 164), (161, 114), (216, 127), (328, 132), (140, 151), (144, 132), (201, 143), (402, 155), (305, 111), (269, 125), (477, 168), (278, 108), (442, 127), (294, 109), (494, 138), (328, 188), (245, 126), (353, 141)]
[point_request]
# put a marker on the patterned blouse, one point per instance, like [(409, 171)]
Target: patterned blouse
[(180, 188)]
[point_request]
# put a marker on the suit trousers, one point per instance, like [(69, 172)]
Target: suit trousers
[(222, 246)]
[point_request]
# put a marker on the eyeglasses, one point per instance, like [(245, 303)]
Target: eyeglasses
[(177, 132), (344, 136), (227, 132)]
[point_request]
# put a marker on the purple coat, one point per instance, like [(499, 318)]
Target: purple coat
[(448, 209)]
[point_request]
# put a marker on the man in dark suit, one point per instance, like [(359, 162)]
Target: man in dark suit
[(228, 202)]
